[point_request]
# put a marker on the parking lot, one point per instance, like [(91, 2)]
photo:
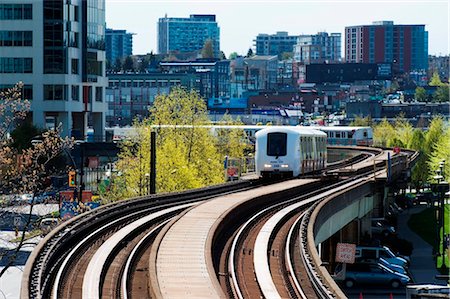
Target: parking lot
[(422, 268)]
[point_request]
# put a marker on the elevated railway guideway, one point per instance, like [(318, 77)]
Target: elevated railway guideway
[(342, 211), (237, 240)]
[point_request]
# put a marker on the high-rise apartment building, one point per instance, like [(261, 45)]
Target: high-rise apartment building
[(275, 44), (318, 48), (57, 49), (405, 46), (188, 34), (119, 44)]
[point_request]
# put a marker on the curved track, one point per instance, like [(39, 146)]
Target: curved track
[(108, 252)]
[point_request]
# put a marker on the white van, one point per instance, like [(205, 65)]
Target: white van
[(373, 254)]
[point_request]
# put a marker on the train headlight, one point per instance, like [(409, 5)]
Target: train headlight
[(267, 165), (284, 166)]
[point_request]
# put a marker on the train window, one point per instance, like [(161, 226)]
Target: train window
[(365, 134), (338, 134), (276, 144), (350, 134)]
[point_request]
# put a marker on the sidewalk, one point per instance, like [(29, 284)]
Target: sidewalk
[(423, 266)]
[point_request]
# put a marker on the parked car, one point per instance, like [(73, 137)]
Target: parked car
[(373, 254), (376, 274), (47, 224), (393, 267), (381, 226)]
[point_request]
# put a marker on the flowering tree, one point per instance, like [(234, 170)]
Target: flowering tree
[(24, 171)]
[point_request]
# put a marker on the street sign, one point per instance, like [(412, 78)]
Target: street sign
[(17, 221), (345, 253)]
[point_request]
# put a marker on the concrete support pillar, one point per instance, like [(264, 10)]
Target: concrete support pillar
[(350, 232), (98, 121), (65, 118), (379, 198)]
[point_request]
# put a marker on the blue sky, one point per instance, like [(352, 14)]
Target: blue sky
[(241, 21)]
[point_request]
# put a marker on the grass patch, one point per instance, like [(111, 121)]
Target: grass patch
[(424, 224), (28, 235)]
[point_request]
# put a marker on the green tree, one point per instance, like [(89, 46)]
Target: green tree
[(222, 55), (231, 142), (287, 55), (403, 131), (383, 134), (208, 49), (143, 64), (233, 55), (421, 94), (249, 53), (23, 134), (117, 65), (440, 153), (361, 121), (435, 80), (435, 131), (441, 95), (128, 64), (187, 153), (185, 108), (417, 142)]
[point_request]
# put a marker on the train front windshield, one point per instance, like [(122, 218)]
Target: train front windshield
[(276, 144)]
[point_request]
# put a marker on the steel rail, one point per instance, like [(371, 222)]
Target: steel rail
[(96, 270), (289, 255), (127, 272), (261, 262), (44, 262)]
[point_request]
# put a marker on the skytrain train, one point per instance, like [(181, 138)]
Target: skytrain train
[(287, 151), (336, 135)]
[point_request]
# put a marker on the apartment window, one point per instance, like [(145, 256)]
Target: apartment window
[(16, 65), (16, 11), (16, 38), (73, 39), (75, 66), (27, 90), (99, 94), (75, 93), (55, 92)]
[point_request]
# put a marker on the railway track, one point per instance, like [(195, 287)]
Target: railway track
[(263, 260), (56, 250), (71, 263)]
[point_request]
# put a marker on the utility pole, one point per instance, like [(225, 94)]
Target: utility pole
[(152, 162), (80, 194)]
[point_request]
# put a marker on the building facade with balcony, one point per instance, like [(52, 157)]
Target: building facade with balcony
[(275, 44), (57, 49), (405, 46), (188, 34), (318, 48)]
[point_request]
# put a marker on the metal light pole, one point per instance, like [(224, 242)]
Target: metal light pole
[(441, 188), (153, 162)]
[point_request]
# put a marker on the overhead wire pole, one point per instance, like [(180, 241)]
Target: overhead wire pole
[(152, 162)]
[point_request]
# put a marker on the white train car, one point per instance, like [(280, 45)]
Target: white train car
[(340, 135), (289, 151)]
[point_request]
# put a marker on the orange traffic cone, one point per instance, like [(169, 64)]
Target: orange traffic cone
[(361, 295)]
